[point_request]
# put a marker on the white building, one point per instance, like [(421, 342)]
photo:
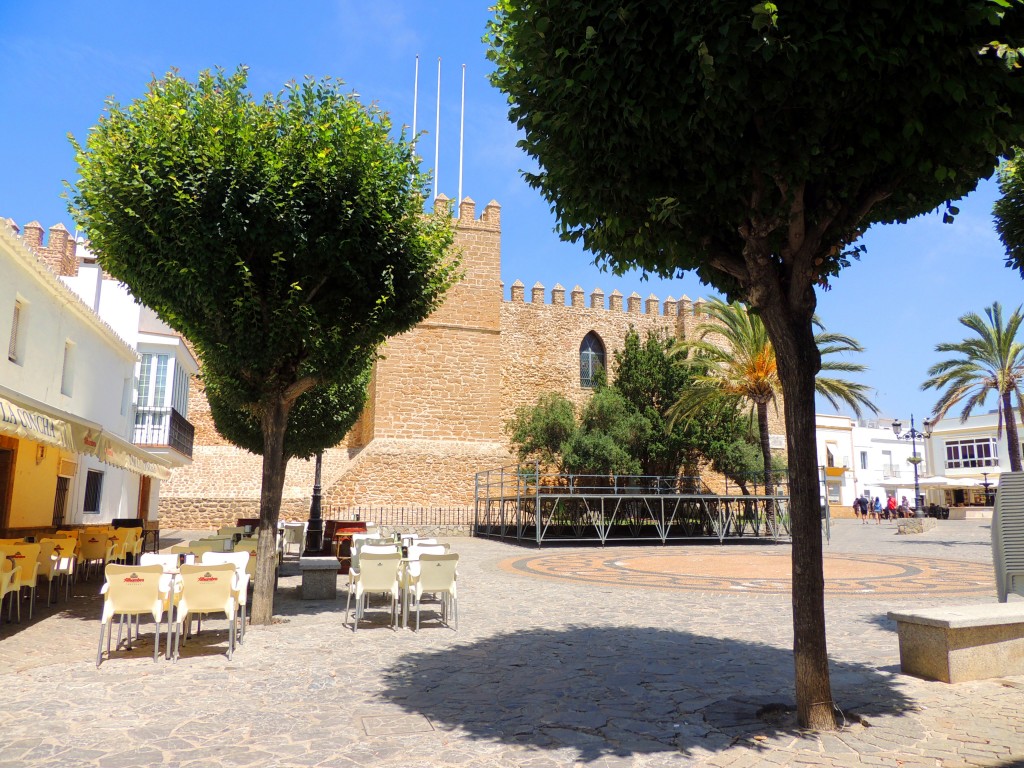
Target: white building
[(66, 411), (864, 458), (164, 369), (964, 457)]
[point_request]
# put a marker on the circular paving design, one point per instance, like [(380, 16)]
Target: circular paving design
[(759, 573)]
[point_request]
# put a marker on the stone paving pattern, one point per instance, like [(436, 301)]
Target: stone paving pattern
[(583, 667)]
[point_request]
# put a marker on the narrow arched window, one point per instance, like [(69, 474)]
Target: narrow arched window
[(591, 360)]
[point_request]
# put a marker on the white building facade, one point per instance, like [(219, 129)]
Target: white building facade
[(165, 364), (965, 456), (66, 410), (865, 458)]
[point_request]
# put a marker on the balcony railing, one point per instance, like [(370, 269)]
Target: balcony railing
[(163, 427), (890, 471)]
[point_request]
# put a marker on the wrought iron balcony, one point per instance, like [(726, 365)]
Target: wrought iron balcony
[(163, 428), (890, 471)]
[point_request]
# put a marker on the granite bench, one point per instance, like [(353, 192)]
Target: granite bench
[(319, 577), (959, 643)]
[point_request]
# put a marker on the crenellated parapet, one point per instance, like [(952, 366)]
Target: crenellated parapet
[(634, 304), (59, 250)]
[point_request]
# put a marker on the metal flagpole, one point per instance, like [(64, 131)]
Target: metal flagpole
[(437, 130), (415, 98), (462, 135)]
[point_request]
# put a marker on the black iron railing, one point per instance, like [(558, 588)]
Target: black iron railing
[(163, 427), (403, 516)]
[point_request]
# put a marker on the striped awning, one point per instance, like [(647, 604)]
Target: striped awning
[(28, 419)]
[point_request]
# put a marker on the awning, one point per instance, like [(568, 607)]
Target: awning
[(941, 481), (835, 471), (25, 423), (28, 419)]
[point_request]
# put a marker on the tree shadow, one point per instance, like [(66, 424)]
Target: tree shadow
[(621, 691)]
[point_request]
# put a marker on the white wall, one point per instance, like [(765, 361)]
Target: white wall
[(53, 315)]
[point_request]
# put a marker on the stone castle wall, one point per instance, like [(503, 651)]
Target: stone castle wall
[(439, 398)]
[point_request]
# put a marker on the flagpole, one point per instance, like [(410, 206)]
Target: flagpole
[(462, 135), (437, 131)]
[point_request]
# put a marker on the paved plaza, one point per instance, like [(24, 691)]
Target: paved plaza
[(623, 656)]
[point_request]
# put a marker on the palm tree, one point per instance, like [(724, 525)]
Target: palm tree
[(743, 369), (991, 361)]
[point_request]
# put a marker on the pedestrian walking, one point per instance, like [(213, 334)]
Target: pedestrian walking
[(876, 511), (856, 508), (890, 508)]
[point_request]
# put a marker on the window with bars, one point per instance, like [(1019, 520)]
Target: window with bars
[(93, 488), (976, 452), (592, 360), (12, 345)]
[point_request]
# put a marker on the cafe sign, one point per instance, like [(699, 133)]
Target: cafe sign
[(24, 423)]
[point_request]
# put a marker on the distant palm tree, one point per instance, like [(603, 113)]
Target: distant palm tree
[(993, 361), (743, 369)]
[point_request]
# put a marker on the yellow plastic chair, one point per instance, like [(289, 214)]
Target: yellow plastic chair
[(231, 530), (435, 574), (206, 589), (56, 559), (378, 573), (94, 547), (26, 560), (132, 591), (241, 562)]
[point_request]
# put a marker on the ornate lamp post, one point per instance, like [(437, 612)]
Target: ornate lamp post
[(912, 436), (315, 528)]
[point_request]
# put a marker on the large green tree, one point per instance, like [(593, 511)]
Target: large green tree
[(284, 237), (754, 146), (989, 361)]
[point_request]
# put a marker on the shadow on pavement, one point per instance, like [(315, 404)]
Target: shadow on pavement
[(621, 691)]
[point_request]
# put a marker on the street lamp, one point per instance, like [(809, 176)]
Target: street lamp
[(315, 527), (912, 436)]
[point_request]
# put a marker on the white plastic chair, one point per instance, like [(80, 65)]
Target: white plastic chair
[(132, 591), (436, 574), (294, 536), (377, 573), (241, 562), (206, 588)]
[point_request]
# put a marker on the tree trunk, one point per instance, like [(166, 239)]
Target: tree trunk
[(1012, 440), (274, 422), (798, 362), (766, 447)]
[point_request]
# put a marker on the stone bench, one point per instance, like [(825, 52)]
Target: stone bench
[(914, 525), (319, 577), (959, 643)]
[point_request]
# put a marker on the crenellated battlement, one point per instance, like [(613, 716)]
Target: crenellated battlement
[(490, 219), (59, 252), (634, 305)]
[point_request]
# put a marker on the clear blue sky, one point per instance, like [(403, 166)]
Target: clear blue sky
[(59, 61)]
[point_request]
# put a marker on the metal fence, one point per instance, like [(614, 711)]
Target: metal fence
[(522, 503), (404, 516)]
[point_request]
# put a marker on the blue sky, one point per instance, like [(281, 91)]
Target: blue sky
[(59, 61)]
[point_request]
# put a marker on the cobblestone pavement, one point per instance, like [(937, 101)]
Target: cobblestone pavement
[(563, 657)]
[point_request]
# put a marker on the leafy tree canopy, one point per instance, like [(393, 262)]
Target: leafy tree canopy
[(659, 127), (283, 237)]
